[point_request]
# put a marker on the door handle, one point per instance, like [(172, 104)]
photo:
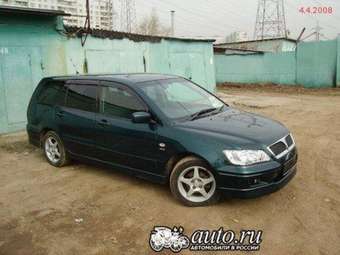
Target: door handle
[(60, 114), (103, 122)]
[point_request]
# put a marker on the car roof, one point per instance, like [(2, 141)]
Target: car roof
[(127, 78)]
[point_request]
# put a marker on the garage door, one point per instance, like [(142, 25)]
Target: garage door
[(21, 71), (190, 66)]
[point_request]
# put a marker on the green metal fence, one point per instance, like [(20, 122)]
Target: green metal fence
[(31, 48), (256, 68), (314, 64), (317, 64)]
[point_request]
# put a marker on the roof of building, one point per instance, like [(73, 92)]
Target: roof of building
[(31, 11), (236, 50), (79, 31), (256, 41), (125, 78)]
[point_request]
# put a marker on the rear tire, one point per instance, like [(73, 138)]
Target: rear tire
[(54, 150), (193, 183)]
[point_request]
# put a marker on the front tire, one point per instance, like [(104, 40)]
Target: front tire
[(193, 183), (54, 149)]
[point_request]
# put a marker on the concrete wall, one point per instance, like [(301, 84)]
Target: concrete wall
[(314, 64), (256, 68), (31, 48)]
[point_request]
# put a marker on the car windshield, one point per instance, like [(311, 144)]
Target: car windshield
[(180, 99)]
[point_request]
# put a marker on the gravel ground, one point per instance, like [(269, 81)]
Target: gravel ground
[(84, 209)]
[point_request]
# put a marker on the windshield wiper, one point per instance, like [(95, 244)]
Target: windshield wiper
[(202, 112)]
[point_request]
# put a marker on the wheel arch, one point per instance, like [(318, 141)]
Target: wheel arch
[(43, 132), (175, 159)]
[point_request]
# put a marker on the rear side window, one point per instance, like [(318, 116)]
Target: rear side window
[(52, 93), (119, 102), (82, 97)]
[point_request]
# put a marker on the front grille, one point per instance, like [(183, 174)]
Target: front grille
[(278, 148), (289, 141), (283, 146), (292, 154)]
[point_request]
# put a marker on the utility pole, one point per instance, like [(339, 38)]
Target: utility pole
[(270, 20), (317, 31), (88, 18), (127, 15), (172, 23)]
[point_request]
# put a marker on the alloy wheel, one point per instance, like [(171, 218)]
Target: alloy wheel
[(196, 184), (52, 150)]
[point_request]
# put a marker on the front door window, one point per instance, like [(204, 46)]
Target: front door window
[(119, 102)]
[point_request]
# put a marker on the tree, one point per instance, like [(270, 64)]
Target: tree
[(151, 25)]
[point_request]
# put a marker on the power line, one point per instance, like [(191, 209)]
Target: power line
[(198, 15), (186, 22), (208, 16)]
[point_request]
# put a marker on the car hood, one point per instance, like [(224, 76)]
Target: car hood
[(239, 126)]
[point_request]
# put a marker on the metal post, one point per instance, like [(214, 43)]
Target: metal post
[(317, 31), (88, 14), (172, 23)]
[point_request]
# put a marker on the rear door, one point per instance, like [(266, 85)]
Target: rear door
[(120, 141), (76, 119)]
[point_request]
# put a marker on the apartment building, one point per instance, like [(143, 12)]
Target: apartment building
[(101, 11)]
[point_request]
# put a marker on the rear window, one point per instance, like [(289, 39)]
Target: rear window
[(82, 97), (52, 93)]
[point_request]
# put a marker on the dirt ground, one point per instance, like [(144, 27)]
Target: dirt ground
[(83, 209)]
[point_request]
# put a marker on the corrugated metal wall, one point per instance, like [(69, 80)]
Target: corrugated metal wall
[(31, 48), (314, 64)]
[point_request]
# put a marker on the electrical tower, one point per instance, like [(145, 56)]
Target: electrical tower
[(127, 15), (270, 20)]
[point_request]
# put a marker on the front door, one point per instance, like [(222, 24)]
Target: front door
[(120, 141)]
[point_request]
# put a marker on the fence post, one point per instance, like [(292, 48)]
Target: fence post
[(338, 63)]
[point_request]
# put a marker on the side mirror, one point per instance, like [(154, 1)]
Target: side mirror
[(141, 117)]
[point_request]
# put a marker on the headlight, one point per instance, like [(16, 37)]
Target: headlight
[(246, 157)]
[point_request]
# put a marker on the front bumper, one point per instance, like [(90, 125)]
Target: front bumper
[(258, 184)]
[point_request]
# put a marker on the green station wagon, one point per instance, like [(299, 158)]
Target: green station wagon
[(162, 128)]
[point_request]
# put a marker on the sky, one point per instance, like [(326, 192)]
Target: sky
[(218, 18)]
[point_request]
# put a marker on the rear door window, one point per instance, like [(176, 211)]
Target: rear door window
[(52, 93), (117, 101), (82, 97)]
